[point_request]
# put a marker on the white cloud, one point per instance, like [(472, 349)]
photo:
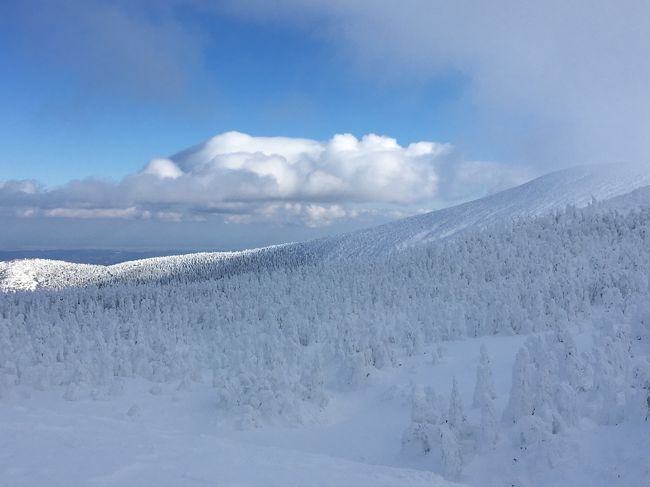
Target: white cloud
[(371, 169), (162, 168), (318, 215), (95, 213), (288, 180)]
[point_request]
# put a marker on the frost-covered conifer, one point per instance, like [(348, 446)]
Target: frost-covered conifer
[(489, 427), (565, 403), (522, 390), (484, 382), (456, 417), (450, 452)]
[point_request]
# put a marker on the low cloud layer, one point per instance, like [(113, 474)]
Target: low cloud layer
[(245, 179)]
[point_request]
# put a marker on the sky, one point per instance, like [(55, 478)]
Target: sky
[(195, 124)]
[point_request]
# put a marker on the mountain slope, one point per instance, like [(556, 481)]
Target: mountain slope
[(30, 274), (504, 341), (372, 362), (576, 186)]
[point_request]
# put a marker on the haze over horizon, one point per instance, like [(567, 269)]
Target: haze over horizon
[(312, 118)]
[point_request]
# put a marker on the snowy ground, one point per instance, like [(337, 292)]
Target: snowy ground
[(176, 437)]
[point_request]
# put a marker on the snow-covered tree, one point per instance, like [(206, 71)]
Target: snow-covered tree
[(456, 416), (520, 401), (489, 428), (484, 382)]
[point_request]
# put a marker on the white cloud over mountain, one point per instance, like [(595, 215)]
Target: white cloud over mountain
[(290, 180)]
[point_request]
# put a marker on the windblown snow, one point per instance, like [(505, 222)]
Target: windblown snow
[(505, 341)]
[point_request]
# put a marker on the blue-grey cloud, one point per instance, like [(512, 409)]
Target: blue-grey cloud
[(117, 47), (554, 82)]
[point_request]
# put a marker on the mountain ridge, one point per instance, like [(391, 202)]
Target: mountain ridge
[(576, 186)]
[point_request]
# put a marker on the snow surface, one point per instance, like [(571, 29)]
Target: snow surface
[(175, 438), (171, 441)]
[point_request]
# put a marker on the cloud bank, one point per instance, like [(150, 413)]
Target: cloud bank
[(551, 82), (247, 179)]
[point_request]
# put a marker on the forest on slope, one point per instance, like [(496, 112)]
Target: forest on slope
[(277, 342)]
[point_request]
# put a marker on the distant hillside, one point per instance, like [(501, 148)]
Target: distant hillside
[(577, 187)]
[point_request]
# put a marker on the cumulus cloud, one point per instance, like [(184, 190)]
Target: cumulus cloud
[(371, 169), (290, 180), (163, 168)]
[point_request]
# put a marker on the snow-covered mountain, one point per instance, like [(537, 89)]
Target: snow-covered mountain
[(30, 274), (571, 187), (371, 367), (517, 354), (577, 187)]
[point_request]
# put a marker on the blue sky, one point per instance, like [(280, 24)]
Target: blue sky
[(259, 78), (91, 91)]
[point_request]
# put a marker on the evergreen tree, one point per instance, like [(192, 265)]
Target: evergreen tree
[(484, 382)]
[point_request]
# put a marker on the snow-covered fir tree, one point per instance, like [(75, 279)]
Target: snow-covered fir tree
[(484, 382)]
